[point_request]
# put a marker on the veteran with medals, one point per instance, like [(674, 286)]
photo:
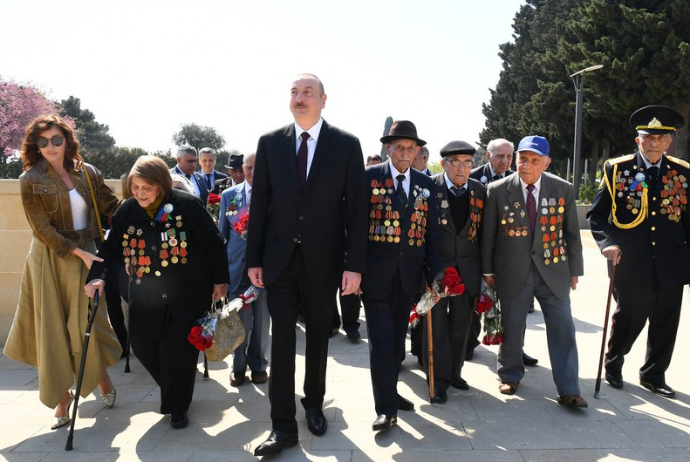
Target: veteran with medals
[(403, 234), (177, 265), (531, 248), (460, 204), (640, 221)]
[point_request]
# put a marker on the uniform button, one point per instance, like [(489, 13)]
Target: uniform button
[(153, 247), (653, 243), (653, 228), (653, 198), (153, 224), (165, 296), (301, 217), (294, 239), (653, 213)]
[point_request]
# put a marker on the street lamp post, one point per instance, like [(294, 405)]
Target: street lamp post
[(578, 81)]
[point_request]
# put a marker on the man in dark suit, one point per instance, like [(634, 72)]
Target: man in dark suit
[(530, 248), (307, 235), (207, 160), (460, 204), (187, 161), (235, 165), (403, 234), (499, 153), (420, 161), (644, 195)]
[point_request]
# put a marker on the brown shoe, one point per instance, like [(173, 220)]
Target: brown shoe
[(237, 379), (508, 388), (572, 401), (259, 377)]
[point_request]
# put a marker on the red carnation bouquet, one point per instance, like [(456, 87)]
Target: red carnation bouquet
[(242, 225), (213, 205), (447, 283), (488, 304)]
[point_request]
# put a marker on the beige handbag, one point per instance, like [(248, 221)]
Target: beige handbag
[(229, 333)]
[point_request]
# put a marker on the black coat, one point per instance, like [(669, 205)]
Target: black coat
[(416, 247), (459, 242), (329, 218), (661, 240), (186, 288), (483, 174)]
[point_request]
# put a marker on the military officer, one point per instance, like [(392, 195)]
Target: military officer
[(647, 239)]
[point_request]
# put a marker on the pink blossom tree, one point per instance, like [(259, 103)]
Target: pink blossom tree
[(19, 105)]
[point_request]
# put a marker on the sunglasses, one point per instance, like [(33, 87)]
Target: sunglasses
[(56, 141)]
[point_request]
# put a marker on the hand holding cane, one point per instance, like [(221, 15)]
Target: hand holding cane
[(87, 336), (597, 386)]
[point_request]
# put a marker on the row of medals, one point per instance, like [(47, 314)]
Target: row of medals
[(674, 195), (142, 262), (549, 221), (389, 230)]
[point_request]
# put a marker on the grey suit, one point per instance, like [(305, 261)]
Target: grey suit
[(538, 264)]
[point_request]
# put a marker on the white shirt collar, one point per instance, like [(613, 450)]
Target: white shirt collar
[(537, 187), (313, 131), (450, 184)]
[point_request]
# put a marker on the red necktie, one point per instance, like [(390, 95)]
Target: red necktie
[(531, 207), (302, 161)]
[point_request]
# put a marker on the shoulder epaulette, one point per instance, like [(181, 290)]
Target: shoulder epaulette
[(677, 160), (618, 160)]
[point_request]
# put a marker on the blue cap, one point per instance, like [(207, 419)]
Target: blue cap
[(534, 143)]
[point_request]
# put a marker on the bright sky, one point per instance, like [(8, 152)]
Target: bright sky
[(146, 67)]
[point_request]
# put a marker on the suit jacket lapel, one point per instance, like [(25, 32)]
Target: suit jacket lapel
[(290, 158)]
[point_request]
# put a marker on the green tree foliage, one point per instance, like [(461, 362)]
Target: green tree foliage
[(534, 94), (199, 136), (645, 49), (93, 136)]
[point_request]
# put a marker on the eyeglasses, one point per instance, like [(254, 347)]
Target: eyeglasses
[(459, 163), (56, 141)]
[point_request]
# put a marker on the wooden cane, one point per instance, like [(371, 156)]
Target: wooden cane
[(430, 352), (597, 386)]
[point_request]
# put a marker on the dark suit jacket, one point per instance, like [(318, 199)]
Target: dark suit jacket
[(200, 181), (329, 218), (661, 241), (459, 242), (416, 248), (483, 174), (217, 177), (185, 288), (508, 245)]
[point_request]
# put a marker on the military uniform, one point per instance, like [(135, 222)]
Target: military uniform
[(650, 223)]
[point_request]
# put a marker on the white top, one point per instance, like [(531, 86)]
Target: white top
[(311, 142), (79, 209)]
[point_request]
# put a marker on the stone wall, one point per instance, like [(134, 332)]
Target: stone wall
[(15, 239)]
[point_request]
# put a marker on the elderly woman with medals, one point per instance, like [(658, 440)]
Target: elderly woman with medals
[(60, 195), (176, 263)]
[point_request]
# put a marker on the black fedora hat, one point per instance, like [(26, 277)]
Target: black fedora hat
[(403, 129), (656, 120), (235, 162)]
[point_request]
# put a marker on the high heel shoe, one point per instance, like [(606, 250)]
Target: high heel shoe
[(61, 421), (109, 398)]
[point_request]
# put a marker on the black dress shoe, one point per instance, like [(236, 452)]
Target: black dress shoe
[(384, 422), (178, 420), (275, 443), (354, 335), (316, 421), (237, 379), (527, 360), (661, 390), (615, 380), (404, 404), (459, 383), (440, 396)]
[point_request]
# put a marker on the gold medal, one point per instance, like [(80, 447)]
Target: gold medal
[(547, 262), (184, 260), (419, 243), (561, 209), (125, 243), (157, 273), (503, 222), (396, 239), (555, 259), (174, 259), (411, 242), (546, 245), (178, 224), (396, 223), (183, 244), (387, 223), (164, 263), (444, 221), (635, 211), (389, 239), (173, 242), (164, 245)]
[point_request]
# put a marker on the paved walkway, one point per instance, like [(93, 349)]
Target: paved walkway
[(477, 425)]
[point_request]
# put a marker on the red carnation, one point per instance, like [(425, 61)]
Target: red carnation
[(213, 199), (484, 304), (450, 277)]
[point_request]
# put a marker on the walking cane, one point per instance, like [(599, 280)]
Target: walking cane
[(129, 317), (430, 352), (597, 386), (87, 336)]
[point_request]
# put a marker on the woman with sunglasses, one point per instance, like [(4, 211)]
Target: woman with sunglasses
[(50, 322)]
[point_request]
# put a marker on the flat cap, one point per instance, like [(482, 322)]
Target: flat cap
[(457, 147)]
